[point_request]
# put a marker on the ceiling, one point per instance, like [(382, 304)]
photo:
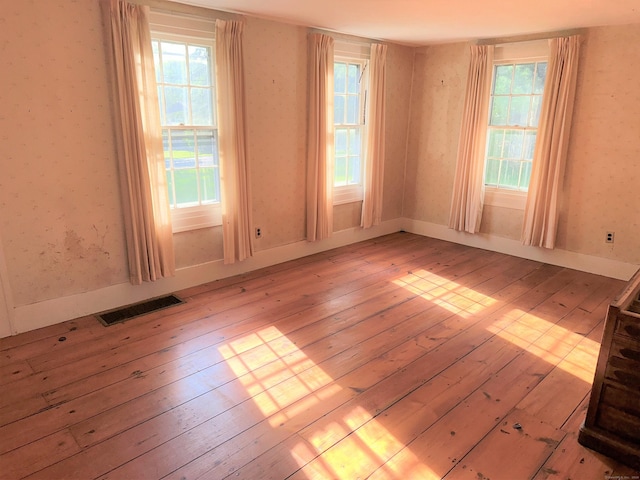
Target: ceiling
[(423, 22)]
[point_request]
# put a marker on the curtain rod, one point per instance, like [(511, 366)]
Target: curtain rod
[(343, 37), (185, 9), (530, 37)]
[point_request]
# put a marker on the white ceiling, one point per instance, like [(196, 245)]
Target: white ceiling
[(422, 22)]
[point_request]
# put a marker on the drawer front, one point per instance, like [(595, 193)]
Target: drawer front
[(621, 399), (618, 422), (624, 363), (628, 326)]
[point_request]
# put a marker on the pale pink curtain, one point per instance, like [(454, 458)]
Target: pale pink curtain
[(374, 153), (140, 152), (541, 211), (320, 138), (234, 170), (468, 187)]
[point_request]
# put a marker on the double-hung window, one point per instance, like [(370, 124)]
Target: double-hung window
[(349, 108), (185, 75), (514, 113)]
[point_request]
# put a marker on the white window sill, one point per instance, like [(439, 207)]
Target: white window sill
[(193, 218), (498, 197), (350, 194)]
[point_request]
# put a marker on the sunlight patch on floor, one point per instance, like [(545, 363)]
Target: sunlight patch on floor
[(572, 352), (365, 444), (445, 293), (284, 383)]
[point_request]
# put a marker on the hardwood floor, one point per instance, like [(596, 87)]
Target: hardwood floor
[(402, 357)]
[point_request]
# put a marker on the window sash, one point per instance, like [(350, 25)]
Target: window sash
[(509, 169), (200, 173), (349, 130)]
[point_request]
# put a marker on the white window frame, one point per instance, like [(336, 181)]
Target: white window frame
[(508, 54), (194, 31), (354, 54)]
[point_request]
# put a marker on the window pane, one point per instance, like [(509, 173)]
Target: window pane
[(161, 103), (519, 112), (534, 117), (186, 185), (341, 142), (510, 174), (201, 106), (352, 109), (340, 173), (529, 145), (208, 185), (353, 79), (183, 149), (174, 63), (523, 78), (156, 58), (176, 102), (513, 143), (491, 172), (354, 170), (199, 73), (496, 138), (167, 149), (172, 200), (541, 72), (207, 148), (499, 109), (502, 82), (340, 77), (354, 141), (525, 176), (338, 109)]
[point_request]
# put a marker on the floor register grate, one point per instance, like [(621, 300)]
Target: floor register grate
[(137, 309)]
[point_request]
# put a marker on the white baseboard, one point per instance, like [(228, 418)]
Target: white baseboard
[(50, 312), (563, 258)]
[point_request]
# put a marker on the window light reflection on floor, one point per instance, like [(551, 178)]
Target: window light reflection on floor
[(284, 382), (365, 445), (463, 301), (572, 352)]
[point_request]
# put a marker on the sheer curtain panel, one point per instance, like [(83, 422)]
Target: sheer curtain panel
[(468, 186), (374, 163), (140, 152), (320, 138), (541, 210), (234, 171)]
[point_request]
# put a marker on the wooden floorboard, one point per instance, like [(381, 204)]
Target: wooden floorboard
[(395, 358)]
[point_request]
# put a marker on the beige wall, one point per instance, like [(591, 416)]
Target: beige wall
[(60, 210), (603, 165), (603, 169)]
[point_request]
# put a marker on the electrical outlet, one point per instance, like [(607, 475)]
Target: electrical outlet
[(610, 236), (258, 232)]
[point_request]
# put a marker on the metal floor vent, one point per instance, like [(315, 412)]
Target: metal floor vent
[(126, 313)]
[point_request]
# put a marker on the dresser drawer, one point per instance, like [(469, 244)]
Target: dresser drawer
[(618, 422), (624, 364), (629, 326)]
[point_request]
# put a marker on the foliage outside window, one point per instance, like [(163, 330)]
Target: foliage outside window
[(514, 112)]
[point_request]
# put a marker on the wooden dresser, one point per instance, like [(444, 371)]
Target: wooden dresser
[(612, 425)]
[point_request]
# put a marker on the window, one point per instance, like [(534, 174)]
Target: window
[(514, 112), (186, 94), (349, 127)]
